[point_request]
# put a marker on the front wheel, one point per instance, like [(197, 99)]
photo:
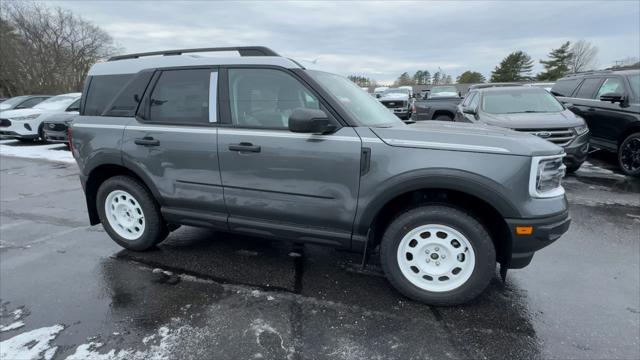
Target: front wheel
[(438, 255), (129, 214), (629, 155)]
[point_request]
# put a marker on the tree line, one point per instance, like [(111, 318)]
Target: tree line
[(47, 50)]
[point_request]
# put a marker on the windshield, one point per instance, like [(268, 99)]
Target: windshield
[(442, 91), (634, 80), (10, 103), (520, 101), (365, 109), (396, 91), (59, 102)]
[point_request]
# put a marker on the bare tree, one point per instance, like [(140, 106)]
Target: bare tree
[(50, 49), (583, 56)]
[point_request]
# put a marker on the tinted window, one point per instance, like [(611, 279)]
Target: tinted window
[(468, 99), (588, 88), (473, 104), (101, 92), (611, 85), (520, 101), (126, 102), (565, 87), (31, 103), (634, 81), (181, 96), (265, 98), (75, 106)]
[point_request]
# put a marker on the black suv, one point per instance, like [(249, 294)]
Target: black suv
[(609, 101)]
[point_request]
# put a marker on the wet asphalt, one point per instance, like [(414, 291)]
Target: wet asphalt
[(209, 295)]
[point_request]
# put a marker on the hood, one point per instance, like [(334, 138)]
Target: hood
[(563, 119), (7, 114), (395, 96), (444, 135)]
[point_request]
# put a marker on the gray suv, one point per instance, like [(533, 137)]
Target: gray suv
[(256, 144)]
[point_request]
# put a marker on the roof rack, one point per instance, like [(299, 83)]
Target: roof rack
[(242, 50), (592, 72)]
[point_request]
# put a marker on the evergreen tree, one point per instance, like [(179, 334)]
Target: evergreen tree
[(470, 77), (436, 78), (427, 77), (418, 77), (558, 64), (404, 79), (515, 67)]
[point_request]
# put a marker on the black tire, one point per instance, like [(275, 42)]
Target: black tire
[(571, 168), (41, 137), (444, 118), (155, 229), (476, 234), (629, 155), (25, 140)]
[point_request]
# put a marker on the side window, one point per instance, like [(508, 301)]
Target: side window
[(181, 97), (75, 106), (565, 87), (264, 98), (588, 88), (28, 104), (468, 99), (611, 85), (102, 90), (473, 104), (126, 102)]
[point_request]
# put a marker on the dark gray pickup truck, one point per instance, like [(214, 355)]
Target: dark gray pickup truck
[(259, 145), (439, 104)]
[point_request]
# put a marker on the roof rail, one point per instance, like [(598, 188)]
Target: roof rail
[(242, 50), (592, 72)]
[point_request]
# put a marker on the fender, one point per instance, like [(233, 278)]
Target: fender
[(476, 185)]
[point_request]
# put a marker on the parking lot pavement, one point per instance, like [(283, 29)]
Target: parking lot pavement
[(68, 292)]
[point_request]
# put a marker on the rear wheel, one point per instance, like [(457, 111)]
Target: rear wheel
[(41, 136), (629, 155), (444, 118), (438, 254), (129, 214)]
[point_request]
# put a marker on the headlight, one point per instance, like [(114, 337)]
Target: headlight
[(546, 176), (582, 129), (28, 117)]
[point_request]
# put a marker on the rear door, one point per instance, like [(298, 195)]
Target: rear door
[(276, 182), (172, 144)]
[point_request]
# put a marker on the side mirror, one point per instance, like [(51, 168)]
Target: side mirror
[(312, 121), (612, 97), (469, 111), (567, 105)]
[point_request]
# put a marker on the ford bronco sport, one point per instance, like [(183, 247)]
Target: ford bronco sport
[(257, 144)]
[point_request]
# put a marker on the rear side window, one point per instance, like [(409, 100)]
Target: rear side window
[(31, 103), (565, 87), (181, 96), (588, 88), (102, 90), (126, 102)]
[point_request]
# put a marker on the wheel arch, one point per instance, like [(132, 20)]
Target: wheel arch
[(635, 128), (446, 112)]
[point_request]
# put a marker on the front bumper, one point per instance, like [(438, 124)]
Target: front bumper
[(577, 150), (26, 129), (545, 231), (400, 112)]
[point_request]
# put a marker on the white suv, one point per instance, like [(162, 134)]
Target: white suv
[(26, 124)]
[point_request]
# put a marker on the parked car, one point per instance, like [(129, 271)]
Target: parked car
[(440, 104), (399, 101), (544, 85), (22, 102), (609, 101), (259, 145), (529, 109), (56, 127), (27, 124)]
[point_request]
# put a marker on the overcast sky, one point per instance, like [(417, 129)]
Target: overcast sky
[(375, 39)]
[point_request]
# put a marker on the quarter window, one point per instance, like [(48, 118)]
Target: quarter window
[(565, 87), (588, 88), (473, 104), (181, 97), (101, 92), (468, 99), (611, 85), (265, 98)]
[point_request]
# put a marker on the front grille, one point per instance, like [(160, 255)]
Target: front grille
[(5, 122), (560, 137), (55, 127), (393, 104)]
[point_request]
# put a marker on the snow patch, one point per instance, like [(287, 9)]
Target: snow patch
[(34, 344), (259, 326), (13, 326), (42, 152)]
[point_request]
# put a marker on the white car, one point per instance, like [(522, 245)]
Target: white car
[(26, 124)]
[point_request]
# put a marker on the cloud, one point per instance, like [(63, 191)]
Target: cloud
[(376, 39)]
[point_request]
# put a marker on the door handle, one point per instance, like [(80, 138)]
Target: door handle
[(147, 141), (244, 147)]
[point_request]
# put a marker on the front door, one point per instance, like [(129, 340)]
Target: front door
[(279, 183), (172, 144)]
